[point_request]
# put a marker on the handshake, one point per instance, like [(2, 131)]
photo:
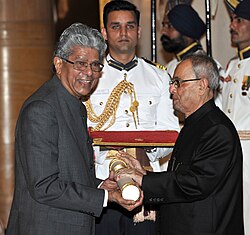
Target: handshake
[(125, 179)]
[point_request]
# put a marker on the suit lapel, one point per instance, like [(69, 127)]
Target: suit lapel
[(77, 125)]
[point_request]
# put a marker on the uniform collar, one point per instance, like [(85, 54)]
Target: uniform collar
[(244, 53), (120, 66), (189, 50)]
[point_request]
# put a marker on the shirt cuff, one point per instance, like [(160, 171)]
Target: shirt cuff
[(106, 196), (105, 202)]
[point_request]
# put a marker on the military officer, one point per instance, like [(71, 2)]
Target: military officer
[(182, 29), (236, 92), (132, 94)]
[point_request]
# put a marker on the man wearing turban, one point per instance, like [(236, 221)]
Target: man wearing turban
[(182, 29)]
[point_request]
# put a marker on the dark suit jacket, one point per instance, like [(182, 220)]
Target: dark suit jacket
[(201, 193), (55, 188)]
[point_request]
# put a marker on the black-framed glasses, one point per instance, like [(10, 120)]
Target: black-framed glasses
[(80, 65), (177, 81)]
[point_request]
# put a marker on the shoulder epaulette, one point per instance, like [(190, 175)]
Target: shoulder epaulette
[(159, 66)]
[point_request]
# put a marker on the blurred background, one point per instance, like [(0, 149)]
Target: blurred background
[(28, 32)]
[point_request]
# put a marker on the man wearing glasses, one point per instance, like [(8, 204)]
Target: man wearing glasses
[(201, 192), (182, 30), (56, 188)]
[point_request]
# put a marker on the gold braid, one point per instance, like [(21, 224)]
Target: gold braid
[(112, 106)]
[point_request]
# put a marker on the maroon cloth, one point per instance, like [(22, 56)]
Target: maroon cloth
[(134, 138)]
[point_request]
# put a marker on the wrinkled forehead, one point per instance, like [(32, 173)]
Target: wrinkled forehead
[(184, 69)]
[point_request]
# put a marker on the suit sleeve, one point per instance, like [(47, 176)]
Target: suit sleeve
[(39, 151)]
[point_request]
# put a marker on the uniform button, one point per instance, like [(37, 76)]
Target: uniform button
[(231, 95), (127, 124), (125, 92), (235, 80), (101, 103), (238, 65), (229, 110), (126, 111), (150, 102)]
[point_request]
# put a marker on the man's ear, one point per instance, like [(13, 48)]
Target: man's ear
[(203, 85), (104, 33), (139, 32), (58, 65)]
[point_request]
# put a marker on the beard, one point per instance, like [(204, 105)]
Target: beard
[(173, 45)]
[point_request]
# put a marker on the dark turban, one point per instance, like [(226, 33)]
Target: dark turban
[(243, 10), (187, 21)]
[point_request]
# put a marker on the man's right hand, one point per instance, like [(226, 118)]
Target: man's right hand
[(115, 196)]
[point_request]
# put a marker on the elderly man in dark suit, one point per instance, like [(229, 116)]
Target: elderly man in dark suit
[(56, 191), (201, 192)]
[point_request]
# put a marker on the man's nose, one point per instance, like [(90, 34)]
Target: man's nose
[(88, 70), (124, 30), (163, 31), (172, 89)]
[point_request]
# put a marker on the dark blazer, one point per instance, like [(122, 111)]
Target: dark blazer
[(201, 193), (55, 185)]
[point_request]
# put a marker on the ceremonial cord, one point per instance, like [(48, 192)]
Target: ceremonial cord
[(112, 106)]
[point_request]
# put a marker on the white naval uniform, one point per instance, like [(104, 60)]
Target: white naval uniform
[(237, 108), (155, 109)]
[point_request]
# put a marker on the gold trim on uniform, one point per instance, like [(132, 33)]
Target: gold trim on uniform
[(180, 54), (111, 106), (244, 53)]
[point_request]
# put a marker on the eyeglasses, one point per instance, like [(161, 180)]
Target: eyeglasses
[(95, 66), (177, 81)]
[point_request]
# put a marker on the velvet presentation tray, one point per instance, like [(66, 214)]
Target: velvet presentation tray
[(161, 138)]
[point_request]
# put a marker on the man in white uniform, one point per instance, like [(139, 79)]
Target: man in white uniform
[(132, 94), (236, 93), (182, 29)]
